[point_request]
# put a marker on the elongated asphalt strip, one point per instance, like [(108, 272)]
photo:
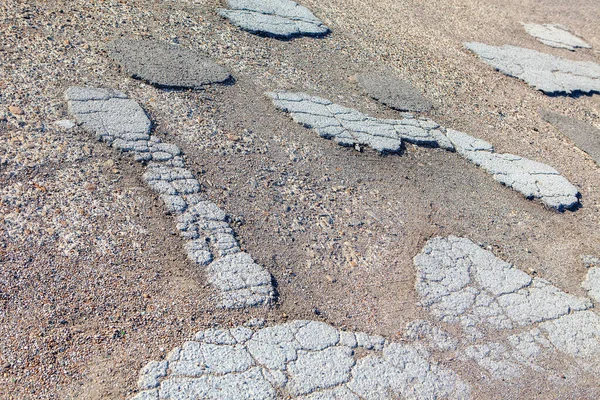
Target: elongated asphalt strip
[(210, 242), (349, 127), (555, 36), (545, 72)]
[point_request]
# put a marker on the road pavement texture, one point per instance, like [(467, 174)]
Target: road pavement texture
[(170, 65), (585, 136), (545, 72), (349, 127), (392, 91), (556, 36), (102, 252), (278, 18), (122, 123)]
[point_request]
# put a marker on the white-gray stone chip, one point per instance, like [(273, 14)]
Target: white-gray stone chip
[(545, 72), (277, 18), (555, 36), (301, 359), (210, 242), (349, 127)]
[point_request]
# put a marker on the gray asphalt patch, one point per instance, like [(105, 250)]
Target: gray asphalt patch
[(392, 91), (277, 18), (547, 73), (555, 36), (533, 179), (300, 359), (462, 284), (166, 65), (210, 242), (585, 136), (349, 127)]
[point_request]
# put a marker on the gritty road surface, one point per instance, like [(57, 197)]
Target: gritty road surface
[(173, 225)]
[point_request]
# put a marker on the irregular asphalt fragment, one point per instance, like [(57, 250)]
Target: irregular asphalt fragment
[(547, 73), (349, 127), (283, 19), (123, 124), (555, 36), (299, 359), (461, 283), (166, 65)]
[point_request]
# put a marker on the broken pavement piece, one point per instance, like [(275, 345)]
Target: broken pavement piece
[(461, 283), (211, 242), (555, 36), (166, 65), (350, 127), (298, 359), (282, 19), (547, 73)]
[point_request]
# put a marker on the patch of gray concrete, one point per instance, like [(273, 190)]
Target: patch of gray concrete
[(166, 65), (547, 73), (277, 18), (555, 36), (533, 179), (210, 242), (462, 284), (349, 127), (585, 136), (393, 91), (299, 359)]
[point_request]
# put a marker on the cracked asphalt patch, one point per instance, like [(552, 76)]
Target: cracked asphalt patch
[(545, 72), (302, 359), (556, 36), (282, 19), (349, 127), (166, 65), (462, 284), (123, 124)]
